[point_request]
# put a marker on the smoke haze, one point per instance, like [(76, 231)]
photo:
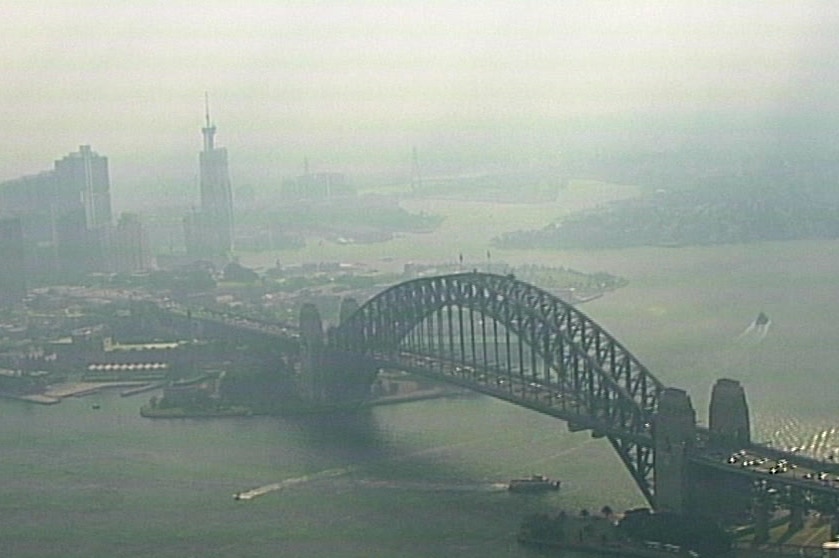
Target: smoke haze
[(354, 85)]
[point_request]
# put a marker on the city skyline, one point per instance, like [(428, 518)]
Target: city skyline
[(65, 222), (356, 87)]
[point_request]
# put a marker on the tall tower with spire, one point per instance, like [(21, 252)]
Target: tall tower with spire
[(214, 224), (209, 129)]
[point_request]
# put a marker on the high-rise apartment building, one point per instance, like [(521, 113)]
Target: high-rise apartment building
[(65, 215), (83, 208), (82, 183)]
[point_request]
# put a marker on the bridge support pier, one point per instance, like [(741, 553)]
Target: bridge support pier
[(796, 509), (674, 432), (728, 415), (330, 377), (760, 512), (312, 354)]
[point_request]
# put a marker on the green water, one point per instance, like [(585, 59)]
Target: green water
[(409, 480), (425, 478)]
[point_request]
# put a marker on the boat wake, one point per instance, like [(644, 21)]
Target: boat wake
[(274, 486), (756, 331), (433, 486)]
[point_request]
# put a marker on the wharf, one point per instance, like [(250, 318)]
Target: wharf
[(141, 389), (78, 389), (38, 398), (72, 389)]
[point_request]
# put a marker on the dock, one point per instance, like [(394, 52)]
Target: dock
[(38, 398), (141, 389)]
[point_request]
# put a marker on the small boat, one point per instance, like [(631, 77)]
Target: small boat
[(96, 406), (762, 319), (536, 484)]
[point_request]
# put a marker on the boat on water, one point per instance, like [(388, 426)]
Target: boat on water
[(536, 484), (762, 319), (259, 491)]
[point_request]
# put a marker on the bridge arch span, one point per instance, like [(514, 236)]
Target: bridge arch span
[(509, 334)]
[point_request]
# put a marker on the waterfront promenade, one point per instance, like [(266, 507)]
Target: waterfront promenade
[(56, 392)]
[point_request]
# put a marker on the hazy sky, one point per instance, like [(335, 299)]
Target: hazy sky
[(355, 84)]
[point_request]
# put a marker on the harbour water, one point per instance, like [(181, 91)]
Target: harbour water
[(404, 480), (424, 478)]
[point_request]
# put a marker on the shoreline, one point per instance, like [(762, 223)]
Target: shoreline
[(55, 393), (141, 389), (36, 398), (298, 410), (609, 548), (80, 389)]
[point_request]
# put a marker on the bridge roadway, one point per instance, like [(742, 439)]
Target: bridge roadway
[(233, 320), (550, 399), (775, 471)]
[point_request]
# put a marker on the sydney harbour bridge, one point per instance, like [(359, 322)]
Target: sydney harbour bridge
[(510, 340)]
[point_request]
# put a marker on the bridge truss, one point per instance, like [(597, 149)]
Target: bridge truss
[(512, 340)]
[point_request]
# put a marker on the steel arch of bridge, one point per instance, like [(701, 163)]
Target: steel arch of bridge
[(510, 339)]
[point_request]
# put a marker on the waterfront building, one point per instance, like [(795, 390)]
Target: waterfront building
[(210, 231)]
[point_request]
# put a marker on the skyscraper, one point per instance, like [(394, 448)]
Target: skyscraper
[(82, 205), (82, 183), (65, 215), (216, 218)]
